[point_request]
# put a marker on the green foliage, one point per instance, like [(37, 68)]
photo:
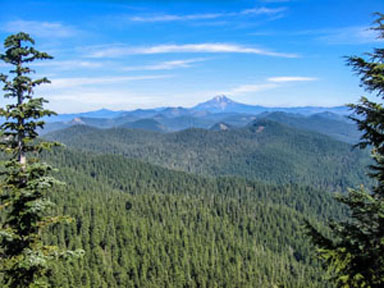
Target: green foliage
[(146, 226), (325, 123), (24, 181), (274, 153), (355, 253)]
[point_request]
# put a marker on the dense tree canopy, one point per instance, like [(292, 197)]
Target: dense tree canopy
[(143, 225), (24, 204), (146, 226), (355, 253), (278, 153)]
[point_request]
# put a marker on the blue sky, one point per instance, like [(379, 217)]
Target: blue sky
[(131, 54)]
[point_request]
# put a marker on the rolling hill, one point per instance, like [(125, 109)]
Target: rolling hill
[(145, 124), (333, 125), (328, 121), (264, 150)]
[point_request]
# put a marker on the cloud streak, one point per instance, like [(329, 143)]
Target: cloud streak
[(270, 83), (69, 64), (284, 79), (251, 88), (95, 97), (206, 16), (90, 93), (349, 35), (167, 65), (40, 29), (342, 35), (63, 83), (119, 51)]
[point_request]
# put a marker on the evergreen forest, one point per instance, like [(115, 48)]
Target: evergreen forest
[(217, 195)]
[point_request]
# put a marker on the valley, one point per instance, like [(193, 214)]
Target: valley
[(191, 144), (220, 206)]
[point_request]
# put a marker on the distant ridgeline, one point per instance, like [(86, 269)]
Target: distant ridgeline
[(329, 121), (264, 150), (221, 206)]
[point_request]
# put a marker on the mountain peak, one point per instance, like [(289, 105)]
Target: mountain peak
[(216, 104), (221, 99)]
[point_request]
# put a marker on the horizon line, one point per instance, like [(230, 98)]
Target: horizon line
[(210, 99)]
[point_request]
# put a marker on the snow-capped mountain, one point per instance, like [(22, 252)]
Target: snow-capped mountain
[(221, 103)]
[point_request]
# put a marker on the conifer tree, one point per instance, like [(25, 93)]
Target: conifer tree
[(25, 181), (354, 254)]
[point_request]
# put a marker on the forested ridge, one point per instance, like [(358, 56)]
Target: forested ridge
[(143, 225), (216, 195), (195, 208), (265, 150), (146, 226), (336, 126)]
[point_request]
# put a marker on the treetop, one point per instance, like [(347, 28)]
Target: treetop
[(16, 53)]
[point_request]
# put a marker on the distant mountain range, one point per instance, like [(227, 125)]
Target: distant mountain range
[(222, 104), (218, 104), (221, 203), (218, 113)]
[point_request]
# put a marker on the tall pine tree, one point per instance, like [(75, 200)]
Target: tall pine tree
[(354, 254), (25, 181)]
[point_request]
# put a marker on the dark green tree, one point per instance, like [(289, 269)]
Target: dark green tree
[(354, 253), (25, 181)]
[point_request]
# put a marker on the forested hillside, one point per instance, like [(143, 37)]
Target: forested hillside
[(327, 123), (336, 126), (264, 150), (191, 144), (146, 226)]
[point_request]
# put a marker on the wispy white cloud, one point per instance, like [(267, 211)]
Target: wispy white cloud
[(70, 93), (39, 28), (341, 35), (167, 65), (270, 83), (290, 79), (115, 92), (207, 16), (96, 97), (169, 18), (64, 65), (251, 88), (349, 35), (334, 36), (60, 83), (263, 11), (90, 98), (69, 64), (184, 48)]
